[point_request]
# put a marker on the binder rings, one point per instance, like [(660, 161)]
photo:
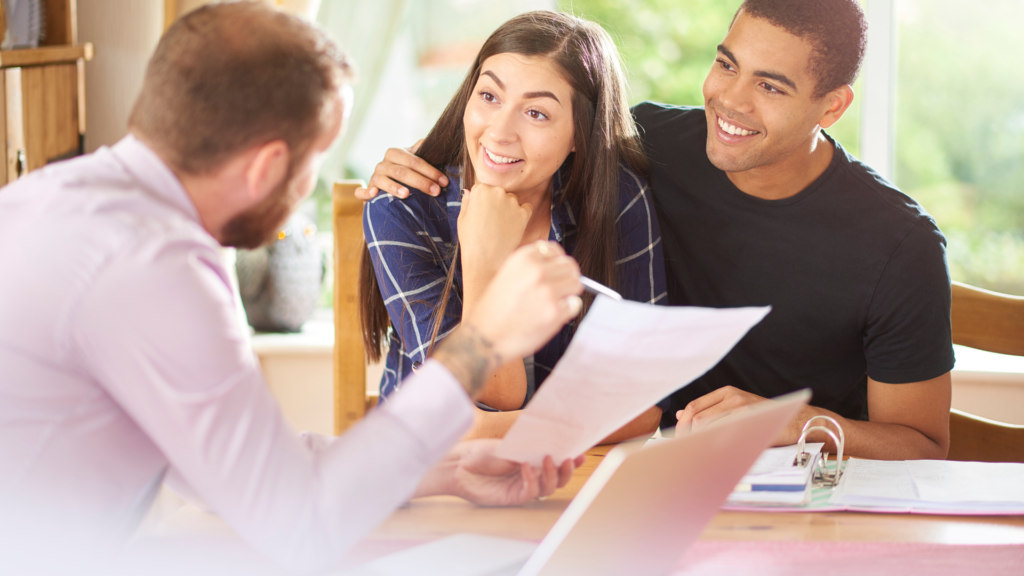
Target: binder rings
[(786, 476)]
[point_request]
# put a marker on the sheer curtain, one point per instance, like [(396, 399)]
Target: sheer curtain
[(367, 32)]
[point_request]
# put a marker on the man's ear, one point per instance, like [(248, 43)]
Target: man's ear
[(838, 101), (268, 169)]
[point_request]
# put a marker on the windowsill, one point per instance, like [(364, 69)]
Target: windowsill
[(988, 366), (317, 337), (298, 367)]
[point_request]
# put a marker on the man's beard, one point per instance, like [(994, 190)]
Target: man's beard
[(260, 224)]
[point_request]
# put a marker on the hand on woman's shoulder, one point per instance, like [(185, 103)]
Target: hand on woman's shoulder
[(417, 201)]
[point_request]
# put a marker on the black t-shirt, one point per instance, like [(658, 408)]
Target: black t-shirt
[(855, 272)]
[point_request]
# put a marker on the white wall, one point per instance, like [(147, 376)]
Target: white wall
[(125, 32)]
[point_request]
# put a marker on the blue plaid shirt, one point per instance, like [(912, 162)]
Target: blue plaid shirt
[(411, 242)]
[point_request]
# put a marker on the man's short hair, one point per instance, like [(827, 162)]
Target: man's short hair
[(231, 76), (836, 28)]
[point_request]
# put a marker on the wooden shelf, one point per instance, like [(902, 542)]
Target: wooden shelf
[(42, 95), (45, 55)]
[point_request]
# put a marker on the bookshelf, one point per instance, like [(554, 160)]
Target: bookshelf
[(42, 96)]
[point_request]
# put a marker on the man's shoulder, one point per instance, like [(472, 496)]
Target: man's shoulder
[(73, 224), (649, 109), (95, 195), (653, 115), (671, 134), (93, 169), (869, 186)]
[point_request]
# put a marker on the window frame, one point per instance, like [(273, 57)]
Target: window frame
[(878, 106)]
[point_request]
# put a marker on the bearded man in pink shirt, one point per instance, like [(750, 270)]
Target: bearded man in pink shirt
[(122, 364)]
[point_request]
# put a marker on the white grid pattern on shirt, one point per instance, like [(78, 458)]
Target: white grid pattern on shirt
[(387, 269), (642, 195), (403, 295)]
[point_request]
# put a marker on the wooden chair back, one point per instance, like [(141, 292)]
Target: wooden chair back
[(976, 439), (988, 320), (351, 401), (995, 323)]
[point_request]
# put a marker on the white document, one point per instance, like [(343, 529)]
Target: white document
[(989, 482), (625, 357), (932, 485), (875, 483)]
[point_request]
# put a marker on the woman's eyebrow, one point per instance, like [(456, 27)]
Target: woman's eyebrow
[(528, 95), (494, 77), (545, 94)]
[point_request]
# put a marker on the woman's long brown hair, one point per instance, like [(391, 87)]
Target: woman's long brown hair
[(604, 136)]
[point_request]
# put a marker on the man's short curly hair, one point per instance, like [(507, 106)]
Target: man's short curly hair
[(233, 75), (836, 28)]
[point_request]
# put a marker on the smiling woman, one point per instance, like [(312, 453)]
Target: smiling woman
[(537, 144)]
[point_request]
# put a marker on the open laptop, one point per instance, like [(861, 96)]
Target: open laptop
[(640, 511)]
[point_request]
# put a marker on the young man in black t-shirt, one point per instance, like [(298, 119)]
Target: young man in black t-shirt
[(758, 206)]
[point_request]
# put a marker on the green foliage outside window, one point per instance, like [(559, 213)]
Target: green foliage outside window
[(667, 45), (960, 131)]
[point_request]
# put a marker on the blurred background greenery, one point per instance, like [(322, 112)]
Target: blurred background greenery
[(960, 131), (959, 117)]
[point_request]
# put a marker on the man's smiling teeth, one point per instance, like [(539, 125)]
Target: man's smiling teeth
[(734, 130), (500, 159)]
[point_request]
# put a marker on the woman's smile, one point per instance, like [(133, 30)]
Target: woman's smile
[(499, 163)]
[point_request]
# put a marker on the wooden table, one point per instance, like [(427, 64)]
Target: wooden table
[(436, 517), (842, 543)]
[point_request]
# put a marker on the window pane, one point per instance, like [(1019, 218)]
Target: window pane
[(960, 131)]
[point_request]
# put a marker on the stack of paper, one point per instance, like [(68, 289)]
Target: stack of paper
[(933, 486), (773, 480)]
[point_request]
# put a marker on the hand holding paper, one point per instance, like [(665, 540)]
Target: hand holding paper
[(625, 357)]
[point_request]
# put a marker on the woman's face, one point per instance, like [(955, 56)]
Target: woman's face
[(518, 123)]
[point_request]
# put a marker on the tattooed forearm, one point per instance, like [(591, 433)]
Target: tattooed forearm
[(470, 356)]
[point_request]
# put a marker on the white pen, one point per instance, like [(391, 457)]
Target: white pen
[(595, 288)]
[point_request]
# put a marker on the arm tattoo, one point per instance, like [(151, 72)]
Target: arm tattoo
[(470, 357)]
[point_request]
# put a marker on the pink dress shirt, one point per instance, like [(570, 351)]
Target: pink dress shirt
[(121, 358)]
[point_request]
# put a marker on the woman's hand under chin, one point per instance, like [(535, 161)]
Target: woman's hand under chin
[(491, 226)]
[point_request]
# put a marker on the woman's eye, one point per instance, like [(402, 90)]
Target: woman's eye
[(487, 96), (536, 115)]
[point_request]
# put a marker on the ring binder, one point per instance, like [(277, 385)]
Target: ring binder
[(821, 477)]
